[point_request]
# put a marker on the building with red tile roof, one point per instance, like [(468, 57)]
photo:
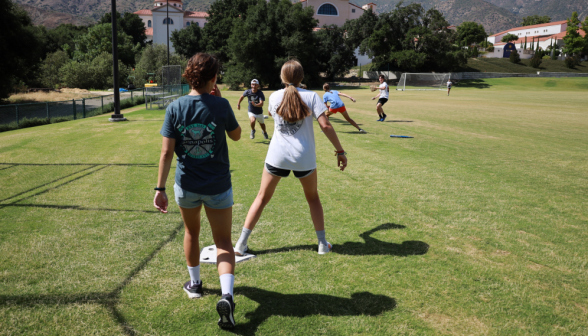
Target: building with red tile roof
[(156, 19)]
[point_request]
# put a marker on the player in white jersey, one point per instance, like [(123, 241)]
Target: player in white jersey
[(449, 83), (383, 97)]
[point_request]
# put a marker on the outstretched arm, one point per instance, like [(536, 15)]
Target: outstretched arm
[(239, 103), (346, 96), (332, 136)]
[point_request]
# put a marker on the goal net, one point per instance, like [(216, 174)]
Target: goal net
[(423, 81), (171, 79)]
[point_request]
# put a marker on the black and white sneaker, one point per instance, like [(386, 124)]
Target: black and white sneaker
[(265, 136), (252, 135), (225, 308), (194, 291)]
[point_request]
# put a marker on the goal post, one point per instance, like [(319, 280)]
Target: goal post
[(423, 81)]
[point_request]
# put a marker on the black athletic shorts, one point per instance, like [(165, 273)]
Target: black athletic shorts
[(285, 172), (382, 101)]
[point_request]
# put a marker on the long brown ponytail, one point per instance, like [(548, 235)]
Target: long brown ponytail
[(292, 108)]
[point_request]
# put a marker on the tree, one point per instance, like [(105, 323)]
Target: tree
[(469, 33), (360, 29), (151, 60), (22, 50), (268, 35), (574, 43), (487, 45), (217, 30), (99, 40), (536, 60), (585, 29), (131, 24), (535, 19), (187, 41), (411, 38), (63, 37), (335, 57), (92, 74), (509, 38), (50, 76), (515, 57)]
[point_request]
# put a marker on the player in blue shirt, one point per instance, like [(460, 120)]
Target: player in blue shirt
[(337, 105)]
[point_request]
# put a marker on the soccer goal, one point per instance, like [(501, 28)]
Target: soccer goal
[(423, 81)]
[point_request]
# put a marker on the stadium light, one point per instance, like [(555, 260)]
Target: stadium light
[(116, 116)]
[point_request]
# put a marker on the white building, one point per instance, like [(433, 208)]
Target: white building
[(156, 22), (337, 12), (544, 34)]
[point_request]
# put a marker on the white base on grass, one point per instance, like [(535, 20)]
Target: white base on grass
[(208, 255), (265, 117)]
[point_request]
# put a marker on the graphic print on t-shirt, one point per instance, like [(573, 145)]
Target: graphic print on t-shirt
[(198, 140), (285, 127)]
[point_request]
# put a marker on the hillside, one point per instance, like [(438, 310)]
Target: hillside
[(52, 19), (556, 9), (495, 15)]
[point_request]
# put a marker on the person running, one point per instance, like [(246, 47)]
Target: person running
[(336, 105), (383, 97), (449, 83), (292, 149), (255, 110), (194, 128)]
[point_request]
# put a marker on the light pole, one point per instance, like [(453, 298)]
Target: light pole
[(116, 116), (167, 20)]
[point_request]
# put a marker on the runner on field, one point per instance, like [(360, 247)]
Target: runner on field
[(337, 105), (194, 128), (255, 111), (383, 97), (449, 83), (292, 149)]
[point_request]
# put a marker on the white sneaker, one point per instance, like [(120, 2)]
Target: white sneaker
[(240, 249), (362, 131), (252, 136), (322, 249)]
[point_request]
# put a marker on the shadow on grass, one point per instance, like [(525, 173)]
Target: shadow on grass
[(370, 246), (399, 121), (303, 305), (473, 83), (76, 207), (108, 300)]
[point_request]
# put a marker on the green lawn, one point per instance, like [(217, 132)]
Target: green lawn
[(504, 65), (476, 226)]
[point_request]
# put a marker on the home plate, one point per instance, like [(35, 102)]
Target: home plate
[(208, 255)]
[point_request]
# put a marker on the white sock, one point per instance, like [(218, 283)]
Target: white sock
[(244, 236), (194, 274), (321, 237), (227, 282)]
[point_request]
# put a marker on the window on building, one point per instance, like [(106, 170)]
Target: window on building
[(327, 9), (148, 23), (165, 21), (352, 10), (187, 23), (197, 24)]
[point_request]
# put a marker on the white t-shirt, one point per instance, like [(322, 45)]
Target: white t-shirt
[(384, 91), (292, 146), (449, 84)]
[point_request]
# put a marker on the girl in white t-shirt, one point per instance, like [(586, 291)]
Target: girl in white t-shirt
[(292, 149), (449, 83), (383, 97)]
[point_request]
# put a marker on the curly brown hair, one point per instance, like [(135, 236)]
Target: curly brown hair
[(201, 69)]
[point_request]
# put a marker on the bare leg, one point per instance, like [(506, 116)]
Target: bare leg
[(263, 127), (380, 110), (269, 183), (309, 184), (252, 123), (191, 219), (349, 120), (220, 224)]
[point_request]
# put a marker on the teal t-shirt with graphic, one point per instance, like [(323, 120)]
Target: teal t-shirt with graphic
[(199, 123)]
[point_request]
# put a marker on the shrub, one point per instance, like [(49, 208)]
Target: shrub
[(515, 57), (536, 61), (570, 62)]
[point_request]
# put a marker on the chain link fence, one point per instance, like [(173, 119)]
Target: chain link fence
[(15, 116)]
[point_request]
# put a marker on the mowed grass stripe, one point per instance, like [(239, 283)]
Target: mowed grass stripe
[(475, 226)]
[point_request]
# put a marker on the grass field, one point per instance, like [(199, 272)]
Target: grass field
[(476, 226)]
